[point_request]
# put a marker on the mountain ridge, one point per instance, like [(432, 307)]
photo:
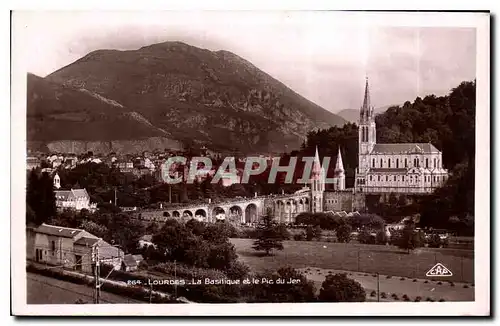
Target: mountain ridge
[(352, 115), (199, 97)]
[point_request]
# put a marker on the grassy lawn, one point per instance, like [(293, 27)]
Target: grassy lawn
[(387, 260)]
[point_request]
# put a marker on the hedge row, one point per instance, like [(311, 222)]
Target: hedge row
[(196, 293), (187, 272), (137, 293)]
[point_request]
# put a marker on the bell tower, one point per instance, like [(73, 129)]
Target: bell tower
[(317, 185), (57, 181), (367, 137)]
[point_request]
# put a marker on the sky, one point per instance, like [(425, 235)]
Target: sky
[(323, 56)]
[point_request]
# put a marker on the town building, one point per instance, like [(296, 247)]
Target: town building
[(32, 162), (70, 248), (131, 263), (394, 168), (76, 199)]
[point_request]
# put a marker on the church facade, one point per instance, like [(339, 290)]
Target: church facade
[(410, 168)]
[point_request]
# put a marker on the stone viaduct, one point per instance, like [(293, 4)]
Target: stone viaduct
[(237, 210)]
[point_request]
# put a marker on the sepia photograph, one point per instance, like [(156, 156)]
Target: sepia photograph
[(230, 162)]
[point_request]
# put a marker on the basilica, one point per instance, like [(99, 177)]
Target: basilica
[(394, 168)]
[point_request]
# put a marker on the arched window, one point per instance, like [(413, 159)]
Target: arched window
[(378, 178), (386, 178), (406, 162), (389, 162), (435, 163), (370, 178), (381, 163), (426, 163), (397, 163), (403, 178), (373, 163)]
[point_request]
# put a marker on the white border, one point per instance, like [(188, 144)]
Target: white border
[(482, 200)]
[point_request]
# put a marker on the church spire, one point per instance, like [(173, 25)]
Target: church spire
[(339, 165), (366, 109), (316, 164)]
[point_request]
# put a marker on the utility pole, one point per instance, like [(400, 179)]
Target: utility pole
[(378, 287), (169, 193), (96, 272), (175, 277), (150, 292), (358, 258)]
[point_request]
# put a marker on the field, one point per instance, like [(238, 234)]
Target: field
[(400, 286), (400, 273), (46, 290), (386, 260)]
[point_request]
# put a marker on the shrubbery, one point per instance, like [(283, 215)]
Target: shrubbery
[(340, 288), (366, 237), (344, 233)]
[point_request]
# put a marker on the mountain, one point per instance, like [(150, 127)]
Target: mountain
[(192, 95), (75, 120), (352, 115)]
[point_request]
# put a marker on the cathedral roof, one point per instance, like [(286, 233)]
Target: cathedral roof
[(405, 148), (389, 170)]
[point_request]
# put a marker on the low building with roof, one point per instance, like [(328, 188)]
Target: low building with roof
[(131, 263), (76, 199), (70, 248)]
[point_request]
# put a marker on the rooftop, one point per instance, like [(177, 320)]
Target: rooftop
[(58, 231), (400, 148)]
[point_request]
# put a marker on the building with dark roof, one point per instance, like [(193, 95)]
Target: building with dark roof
[(70, 248), (410, 168), (76, 199)]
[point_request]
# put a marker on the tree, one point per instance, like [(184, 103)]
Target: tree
[(317, 232), (197, 227), (366, 237), (409, 239), (283, 231), (281, 289), (40, 197), (222, 255), (96, 229), (344, 232), (313, 233), (381, 237), (340, 288), (268, 237), (197, 192), (125, 231), (237, 270), (219, 232), (152, 228), (176, 242)]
